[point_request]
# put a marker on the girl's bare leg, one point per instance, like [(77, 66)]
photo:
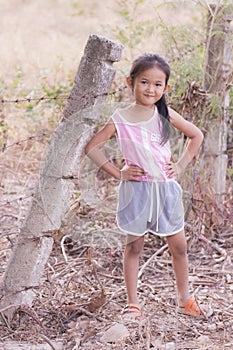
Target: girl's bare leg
[(178, 248), (132, 253)]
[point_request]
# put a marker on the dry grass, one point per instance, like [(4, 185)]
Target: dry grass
[(46, 36)]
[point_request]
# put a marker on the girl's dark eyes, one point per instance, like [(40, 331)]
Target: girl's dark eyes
[(146, 82)]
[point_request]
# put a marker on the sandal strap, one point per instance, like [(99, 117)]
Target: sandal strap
[(132, 308), (192, 307)]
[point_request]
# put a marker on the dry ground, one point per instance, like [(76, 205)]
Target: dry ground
[(82, 291)]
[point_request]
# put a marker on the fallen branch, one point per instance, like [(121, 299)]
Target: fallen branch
[(151, 258), (215, 246)]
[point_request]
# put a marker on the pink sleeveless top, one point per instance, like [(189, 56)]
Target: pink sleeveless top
[(140, 144)]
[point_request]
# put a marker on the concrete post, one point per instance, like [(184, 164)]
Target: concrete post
[(65, 150), (217, 72)]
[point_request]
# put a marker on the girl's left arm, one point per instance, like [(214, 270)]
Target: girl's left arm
[(195, 140)]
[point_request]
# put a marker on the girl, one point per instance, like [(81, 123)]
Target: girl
[(150, 199)]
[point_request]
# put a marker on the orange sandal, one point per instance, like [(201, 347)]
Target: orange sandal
[(192, 308), (132, 312)]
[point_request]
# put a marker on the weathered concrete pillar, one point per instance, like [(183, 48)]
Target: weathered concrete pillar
[(217, 72), (64, 153)]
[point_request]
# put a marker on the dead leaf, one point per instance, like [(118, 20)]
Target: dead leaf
[(96, 302)]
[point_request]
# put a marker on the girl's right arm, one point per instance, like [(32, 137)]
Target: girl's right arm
[(93, 149)]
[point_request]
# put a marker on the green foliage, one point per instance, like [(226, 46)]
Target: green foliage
[(82, 9), (184, 51), (231, 97), (183, 46), (3, 132), (132, 30), (3, 87), (54, 91), (230, 174), (17, 81), (79, 11)]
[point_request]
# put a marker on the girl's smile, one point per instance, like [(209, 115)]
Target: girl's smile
[(149, 86)]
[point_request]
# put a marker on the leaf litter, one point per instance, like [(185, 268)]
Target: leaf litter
[(82, 293)]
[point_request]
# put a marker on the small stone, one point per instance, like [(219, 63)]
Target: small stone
[(159, 345), (212, 327), (203, 339), (115, 333)]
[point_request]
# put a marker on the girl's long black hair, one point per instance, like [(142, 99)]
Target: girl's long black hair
[(143, 63)]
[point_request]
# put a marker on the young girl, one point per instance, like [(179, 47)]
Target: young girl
[(150, 199)]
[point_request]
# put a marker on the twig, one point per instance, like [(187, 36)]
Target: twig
[(220, 250), (34, 317), (9, 307), (90, 314), (201, 309), (5, 320), (63, 248), (186, 325), (97, 277), (48, 341), (151, 258)]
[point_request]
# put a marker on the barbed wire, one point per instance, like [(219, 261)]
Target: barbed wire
[(29, 138), (31, 99), (44, 98), (58, 97), (19, 199), (48, 133)]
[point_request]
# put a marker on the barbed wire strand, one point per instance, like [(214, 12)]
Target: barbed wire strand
[(58, 97), (43, 98), (29, 138), (43, 134), (18, 199)]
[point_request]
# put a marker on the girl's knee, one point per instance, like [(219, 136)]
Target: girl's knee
[(179, 250), (135, 247), (177, 246)]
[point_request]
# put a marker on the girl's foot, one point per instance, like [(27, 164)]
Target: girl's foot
[(192, 308), (132, 312)]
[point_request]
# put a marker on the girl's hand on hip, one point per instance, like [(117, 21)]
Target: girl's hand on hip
[(172, 170), (131, 173)]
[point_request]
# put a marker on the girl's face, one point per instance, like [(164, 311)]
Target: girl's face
[(148, 86)]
